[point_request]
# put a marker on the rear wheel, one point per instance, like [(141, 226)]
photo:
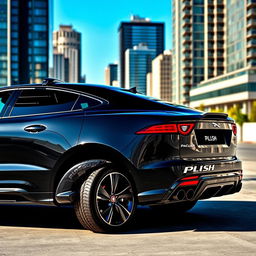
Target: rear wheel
[(107, 201)]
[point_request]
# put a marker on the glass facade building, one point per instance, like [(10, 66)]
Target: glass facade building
[(139, 30), (198, 44), (236, 40), (233, 82), (138, 62), (111, 74), (24, 41), (3, 42)]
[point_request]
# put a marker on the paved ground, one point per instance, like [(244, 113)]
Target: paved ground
[(220, 226)]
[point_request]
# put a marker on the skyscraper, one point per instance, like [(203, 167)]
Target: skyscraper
[(111, 74), (236, 85), (198, 44), (24, 41), (159, 83), (67, 54), (137, 64), (139, 30)]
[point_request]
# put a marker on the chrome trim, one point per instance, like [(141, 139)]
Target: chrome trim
[(153, 192), (21, 167), (66, 197), (15, 182), (12, 190), (101, 101)]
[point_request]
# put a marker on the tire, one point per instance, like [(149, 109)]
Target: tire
[(107, 201), (175, 208)]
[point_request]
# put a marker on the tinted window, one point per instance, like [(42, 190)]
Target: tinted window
[(86, 102), (38, 101), (4, 96)]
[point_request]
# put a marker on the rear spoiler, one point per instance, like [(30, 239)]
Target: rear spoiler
[(212, 115)]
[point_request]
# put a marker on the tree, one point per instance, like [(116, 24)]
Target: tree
[(217, 110), (253, 112), (201, 107), (236, 113)]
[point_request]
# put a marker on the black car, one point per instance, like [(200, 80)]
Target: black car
[(105, 150)]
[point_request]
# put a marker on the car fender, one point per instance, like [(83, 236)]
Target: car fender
[(65, 190)]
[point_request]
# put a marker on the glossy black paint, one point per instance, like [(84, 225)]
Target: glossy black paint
[(36, 151)]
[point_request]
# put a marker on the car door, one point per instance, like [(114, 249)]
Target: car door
[(36, 130)]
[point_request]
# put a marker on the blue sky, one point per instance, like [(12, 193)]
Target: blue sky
[(98, 21)]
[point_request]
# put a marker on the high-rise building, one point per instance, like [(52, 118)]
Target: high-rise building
[(198, 44), (67, 54), (160, 81), (111, 74), (137, 64), (237, 84), (149, 84), (139, 30), (61, 67), (24, 41)]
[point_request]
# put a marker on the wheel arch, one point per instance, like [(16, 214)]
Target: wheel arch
[(92, 156)]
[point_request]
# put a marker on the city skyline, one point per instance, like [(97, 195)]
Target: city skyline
[(99, 27)]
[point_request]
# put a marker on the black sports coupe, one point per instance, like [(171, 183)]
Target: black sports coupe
[(105, 150)]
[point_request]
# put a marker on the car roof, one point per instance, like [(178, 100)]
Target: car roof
[(119, 98), (80, 86)]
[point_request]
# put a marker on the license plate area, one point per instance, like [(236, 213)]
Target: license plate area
[(213, 137)]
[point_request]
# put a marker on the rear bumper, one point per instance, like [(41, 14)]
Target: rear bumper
[(212, 185), (225, 178)]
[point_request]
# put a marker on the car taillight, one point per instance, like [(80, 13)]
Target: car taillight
[(189, 183), (183, 129), (234, 128), (190, 178)]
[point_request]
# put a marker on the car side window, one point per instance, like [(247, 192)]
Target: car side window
[(4, 97), (86, 102), (42, 101)]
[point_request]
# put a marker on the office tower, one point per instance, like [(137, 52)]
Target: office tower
[(236, 85), (67, 54), (139, 30), (24, 41), (160, 79), (149, 84), (83, 79), (61, 67), (198, 44), (111, 74), (137, 65)]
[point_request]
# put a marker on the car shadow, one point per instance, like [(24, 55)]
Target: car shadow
[(236, 216), (205, 216)]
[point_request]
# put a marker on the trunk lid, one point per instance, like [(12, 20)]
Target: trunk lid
[(212, 137)]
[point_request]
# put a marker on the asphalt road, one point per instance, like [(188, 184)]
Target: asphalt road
[(219, 226)]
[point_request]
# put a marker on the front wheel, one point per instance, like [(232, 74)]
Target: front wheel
[(107, 201)]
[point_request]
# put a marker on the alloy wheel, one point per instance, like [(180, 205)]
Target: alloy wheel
[(114, 199)]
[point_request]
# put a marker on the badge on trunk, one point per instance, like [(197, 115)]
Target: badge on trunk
[(215, 125)]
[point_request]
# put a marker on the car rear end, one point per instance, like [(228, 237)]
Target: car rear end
[(178, 153), (204, 164)]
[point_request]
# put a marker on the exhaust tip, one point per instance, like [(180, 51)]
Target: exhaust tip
[(190, 194), (180, 195)]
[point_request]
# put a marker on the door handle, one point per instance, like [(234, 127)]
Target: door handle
[(35, 128)]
